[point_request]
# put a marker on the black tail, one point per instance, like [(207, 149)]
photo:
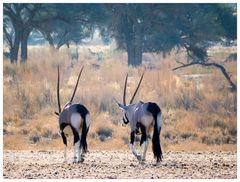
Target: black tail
[(84, 112), (156, 148), (84, 136)]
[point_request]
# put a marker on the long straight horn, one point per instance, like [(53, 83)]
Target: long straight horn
[(76, 86), (137, 88), (124, 91), (58, 97)]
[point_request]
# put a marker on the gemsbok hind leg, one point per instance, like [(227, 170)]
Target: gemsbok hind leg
[(131, 146), (143, 141), (76, 145), (64, 138)]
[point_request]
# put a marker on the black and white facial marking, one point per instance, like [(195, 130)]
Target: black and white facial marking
[(141, 117), (78, 118), (125, 119)]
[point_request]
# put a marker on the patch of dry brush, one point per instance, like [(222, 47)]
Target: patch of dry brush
[(197, 113)]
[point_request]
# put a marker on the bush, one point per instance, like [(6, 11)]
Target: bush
[(186, 135), (167, 135), (34, 139), (104, 134)]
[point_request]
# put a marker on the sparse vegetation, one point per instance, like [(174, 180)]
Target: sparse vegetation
[(195, 111)]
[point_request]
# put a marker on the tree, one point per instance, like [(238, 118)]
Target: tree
[(23, 17), (77, 23), (196, 34), (157, 28), (8, 34), (125, 24), (60, 33), (140, 28), (202, 24), (59, 23)]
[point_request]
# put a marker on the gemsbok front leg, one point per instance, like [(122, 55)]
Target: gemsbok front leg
[(131, 145)]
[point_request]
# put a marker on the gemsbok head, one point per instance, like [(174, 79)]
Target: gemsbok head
[(143, 116), (77, 117)]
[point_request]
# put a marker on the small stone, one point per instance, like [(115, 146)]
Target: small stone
[(131, 165), (55, 173), (226, 165)]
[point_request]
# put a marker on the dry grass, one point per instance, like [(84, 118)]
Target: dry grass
[(198, 113)]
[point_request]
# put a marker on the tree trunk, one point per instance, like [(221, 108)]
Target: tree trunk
[(138, 46), (134, 42), (23, 50), (131, 53), (24, 53), (138, 55), (49, 38), (134, 50), (15, 48)]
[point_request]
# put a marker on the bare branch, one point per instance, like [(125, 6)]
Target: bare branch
[(184, 65), (180, 62), (220, 67)]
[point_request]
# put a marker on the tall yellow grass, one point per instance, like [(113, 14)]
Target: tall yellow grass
[(195, 112)]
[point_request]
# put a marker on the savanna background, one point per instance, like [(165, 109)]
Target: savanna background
[(198, 101), (197, 105)]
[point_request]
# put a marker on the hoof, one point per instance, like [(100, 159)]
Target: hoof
[(81, 160), (74, 159), (156, 164), (65, 160), (139, 158)]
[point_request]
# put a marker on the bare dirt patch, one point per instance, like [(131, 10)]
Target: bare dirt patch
[(118, 164)]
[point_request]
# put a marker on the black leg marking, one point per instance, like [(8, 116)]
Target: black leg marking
[(62, 126), (137, 130), (144, 134), (76, 135), (64, 138), (132, 137)]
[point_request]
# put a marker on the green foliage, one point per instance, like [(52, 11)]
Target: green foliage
[(72, 23), (166, 26), (137, 27)]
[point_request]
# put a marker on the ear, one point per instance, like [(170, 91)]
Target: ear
[(122, 107), (116, 102), (119, 105), (56, 113)]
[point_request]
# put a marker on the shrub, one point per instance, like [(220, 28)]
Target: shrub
[(34, 138), (104, 133), (186, 135)]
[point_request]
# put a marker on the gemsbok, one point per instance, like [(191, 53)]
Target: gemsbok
[(77, 117), (143, 116)]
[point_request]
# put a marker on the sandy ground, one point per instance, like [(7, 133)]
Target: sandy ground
[(119, 164)]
